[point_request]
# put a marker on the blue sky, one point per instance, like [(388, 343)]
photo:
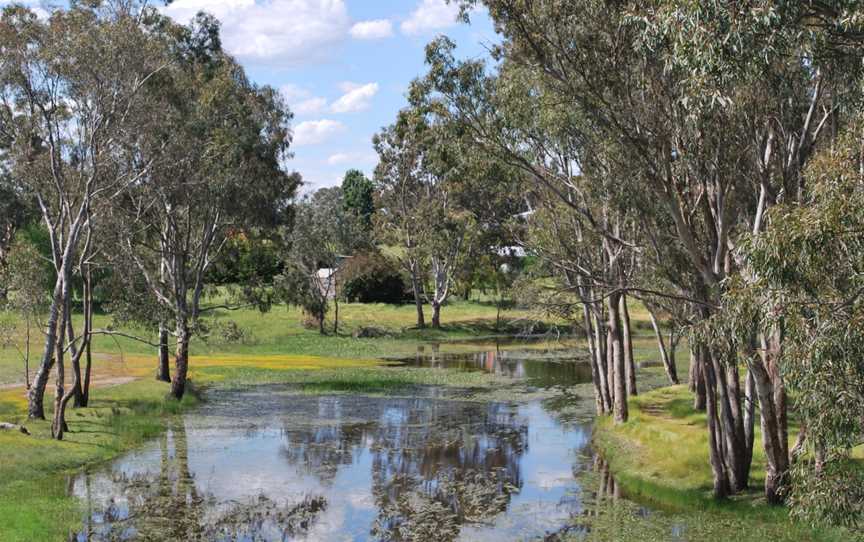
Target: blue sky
[(343, 65)]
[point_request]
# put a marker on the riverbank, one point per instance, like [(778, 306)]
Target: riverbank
[(35, 503), (660, 458), (34, 471)]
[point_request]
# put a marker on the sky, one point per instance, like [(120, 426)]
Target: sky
[(344, 66)]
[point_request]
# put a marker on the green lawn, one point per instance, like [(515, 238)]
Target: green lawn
[(281, 332), (660, 457)]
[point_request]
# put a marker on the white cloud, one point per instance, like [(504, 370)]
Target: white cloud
[(314, 132), (430, 15), (310, 106), (371, 30), (341, 158), (275, 32), (302, 101), (356, 97)]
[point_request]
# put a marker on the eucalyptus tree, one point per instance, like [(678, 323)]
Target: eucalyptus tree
[(212, 145), (322, 233), (358, 193), (399, 196), (422, 176), (804, 277), (69, 86), (712, 109)]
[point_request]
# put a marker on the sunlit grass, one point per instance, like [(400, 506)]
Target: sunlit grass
[(35, 469), (660, 457)]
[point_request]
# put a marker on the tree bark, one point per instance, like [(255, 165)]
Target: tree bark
[(75, 359), (715, 444), (418, 301), (668, 361), (619, 376), (749, 417), (436, 315), (336, 316), (592, 352), (181, 357), (600, 338), (772, 408), (163, 371), (58, 424), (87, 338), (36, 394), (697, 381), (629, 362)]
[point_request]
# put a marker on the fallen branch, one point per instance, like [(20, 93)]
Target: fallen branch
[(12, 427)]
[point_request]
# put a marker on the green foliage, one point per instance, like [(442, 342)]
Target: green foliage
[(807, 274), (370, 277), (358, 195), (246, 259)]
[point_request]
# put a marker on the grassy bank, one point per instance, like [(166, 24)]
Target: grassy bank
[(35, 470), (281, 331), (660, 458)]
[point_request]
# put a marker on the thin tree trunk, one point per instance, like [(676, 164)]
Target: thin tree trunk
[(27, 353), (36, 395), (668, 361), (772, 408), (82, 399), (697, 381), (58, 423), (336, 317), (618, 364), (592, 351), (163, 370), (629, 362), (715, 439), (749, 417), (436, 315), (725, 380), (418, 302), (74, 358), (602, 362), (181, 357)]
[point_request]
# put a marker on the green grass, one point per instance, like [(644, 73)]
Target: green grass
[(281, 332), (660, 457), (35, 470)]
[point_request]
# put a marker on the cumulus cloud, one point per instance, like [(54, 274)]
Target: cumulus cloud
[(302, 101), (315, 132), (355, 98), (341, 158), (430, 15), (274, 32), (371, 30)]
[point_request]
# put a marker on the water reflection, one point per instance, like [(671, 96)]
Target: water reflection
[(270, 465), (544, 368)]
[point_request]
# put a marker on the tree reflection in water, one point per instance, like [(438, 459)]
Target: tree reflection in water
[(170, 506), (271, 464), (435, 464)]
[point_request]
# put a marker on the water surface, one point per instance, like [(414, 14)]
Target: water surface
[(540, 367), (271, 464)]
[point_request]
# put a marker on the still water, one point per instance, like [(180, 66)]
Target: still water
[(540, 367), (268, 463)]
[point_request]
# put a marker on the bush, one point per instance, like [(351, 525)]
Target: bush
[(370, 277)]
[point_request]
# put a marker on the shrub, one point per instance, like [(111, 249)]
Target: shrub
[(370, 277)]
